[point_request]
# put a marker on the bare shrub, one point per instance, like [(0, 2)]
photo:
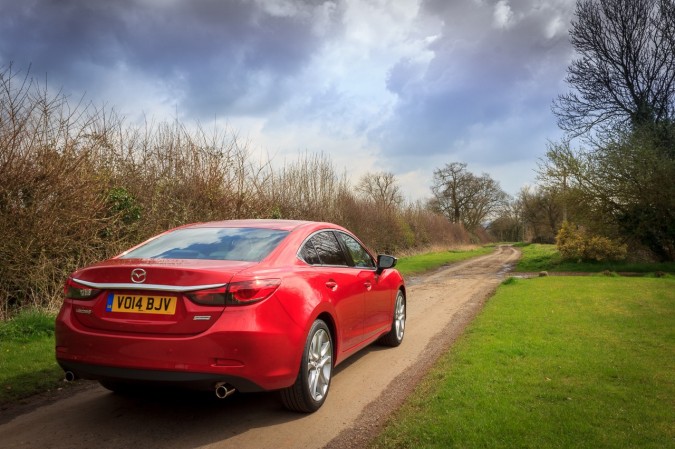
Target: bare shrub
[(50, 208), (432, 228), (80, 185), (308, 189)]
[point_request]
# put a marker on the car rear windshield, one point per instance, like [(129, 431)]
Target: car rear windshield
[(244, 244)]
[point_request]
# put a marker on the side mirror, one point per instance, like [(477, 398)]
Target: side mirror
[(384, 261)]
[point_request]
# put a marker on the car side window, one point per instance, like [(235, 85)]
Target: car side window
[(359, 255), (324, 249), (308, 253)]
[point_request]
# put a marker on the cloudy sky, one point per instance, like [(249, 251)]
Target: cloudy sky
[(403, 86)]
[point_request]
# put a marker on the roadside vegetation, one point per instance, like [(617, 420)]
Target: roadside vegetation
[(554, 362), (545, 257), (611, 174), (429, 261), (551, 362), (80, 185), (27, 364)]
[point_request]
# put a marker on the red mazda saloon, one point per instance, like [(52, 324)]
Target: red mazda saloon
[(246, 305)]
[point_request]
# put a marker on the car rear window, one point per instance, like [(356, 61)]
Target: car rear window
[(243, 244)]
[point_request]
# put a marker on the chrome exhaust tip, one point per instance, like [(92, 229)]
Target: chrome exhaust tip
[(223, 391), (70, 376)]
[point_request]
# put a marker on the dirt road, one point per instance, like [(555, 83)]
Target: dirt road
[(364, 390)]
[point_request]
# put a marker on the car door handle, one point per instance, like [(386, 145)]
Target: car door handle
[(331, 285), (368, 285)]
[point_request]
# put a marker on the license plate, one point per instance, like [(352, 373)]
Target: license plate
[(162, 305)]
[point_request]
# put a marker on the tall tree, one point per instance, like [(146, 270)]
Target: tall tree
[(509, 225), (542, 212), (622, 104), (381, 188), (624, 76), (622, 189), (464, 197)]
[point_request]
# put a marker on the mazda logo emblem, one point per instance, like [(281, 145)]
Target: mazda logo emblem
[(138, 275)]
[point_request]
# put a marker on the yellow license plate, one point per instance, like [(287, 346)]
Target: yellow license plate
[(162, 305)]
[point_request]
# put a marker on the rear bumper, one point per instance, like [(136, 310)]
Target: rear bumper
[(200, 381), (252, 350)]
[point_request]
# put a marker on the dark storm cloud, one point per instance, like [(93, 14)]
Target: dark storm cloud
[(218, 57), (412, 84), (494, 62)]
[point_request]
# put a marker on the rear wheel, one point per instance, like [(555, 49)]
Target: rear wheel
[(395, 336), (310, 389)]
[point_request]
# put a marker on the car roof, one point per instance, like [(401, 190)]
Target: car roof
[(284, 225)]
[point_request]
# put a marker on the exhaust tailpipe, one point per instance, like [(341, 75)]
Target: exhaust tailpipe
[(70, 376), (223, 391)]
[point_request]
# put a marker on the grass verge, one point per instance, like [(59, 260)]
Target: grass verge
[(424, 262), (555, 362), (27, 363), (539, 257)]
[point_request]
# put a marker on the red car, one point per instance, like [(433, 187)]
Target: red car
[(245, 305)]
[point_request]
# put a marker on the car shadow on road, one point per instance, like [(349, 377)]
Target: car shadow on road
[(91, 416), (176, 418)]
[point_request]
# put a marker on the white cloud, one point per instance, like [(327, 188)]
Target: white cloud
[(502, 15), (555, 27)]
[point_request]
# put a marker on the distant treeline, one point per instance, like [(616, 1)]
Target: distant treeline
[(78, 185)]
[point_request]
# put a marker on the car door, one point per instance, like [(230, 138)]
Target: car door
[(377, 296), (339, 283)]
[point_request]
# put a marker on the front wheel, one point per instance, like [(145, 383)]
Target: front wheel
[(395, 336), (310, 389)]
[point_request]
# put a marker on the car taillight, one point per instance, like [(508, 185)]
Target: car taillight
[(249, 292), (73, 290), (237, 293), (210, 297)]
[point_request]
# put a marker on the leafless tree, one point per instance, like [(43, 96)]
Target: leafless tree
[(381, 188), (625, 73), (509, 226), (464, 197)]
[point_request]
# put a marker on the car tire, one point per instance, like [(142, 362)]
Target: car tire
[(311, 386), (395, 336)]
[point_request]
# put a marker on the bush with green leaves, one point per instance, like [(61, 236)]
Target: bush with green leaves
[(575, 243)]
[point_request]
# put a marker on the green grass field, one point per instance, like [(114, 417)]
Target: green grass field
[(554, 362), (538, 257)]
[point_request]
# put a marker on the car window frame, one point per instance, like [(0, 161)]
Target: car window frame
[(345, 251), (350, 259), (309, 240)]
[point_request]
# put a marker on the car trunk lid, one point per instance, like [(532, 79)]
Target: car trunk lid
[(150, 296)]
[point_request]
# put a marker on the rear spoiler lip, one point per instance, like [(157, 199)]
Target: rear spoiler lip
[(160, 287)]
